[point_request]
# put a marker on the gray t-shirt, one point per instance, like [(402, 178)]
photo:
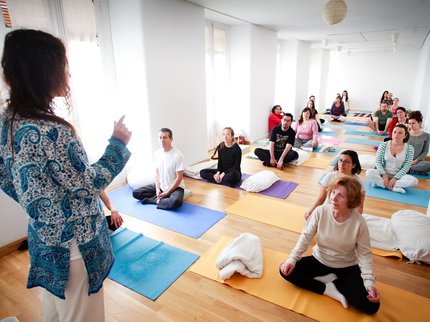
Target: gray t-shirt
[(421, 145)]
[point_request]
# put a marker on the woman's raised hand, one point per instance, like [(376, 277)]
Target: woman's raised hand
[(121, 131)]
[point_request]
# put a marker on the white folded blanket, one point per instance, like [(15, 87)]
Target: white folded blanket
[(194, 171), (243, 255)]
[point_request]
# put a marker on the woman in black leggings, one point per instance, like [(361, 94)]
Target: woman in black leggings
[(229, 158)]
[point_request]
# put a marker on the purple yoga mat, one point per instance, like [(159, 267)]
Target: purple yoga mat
[(280, 189)]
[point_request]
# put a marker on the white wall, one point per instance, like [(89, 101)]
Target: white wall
[(160, 63), (366, 75), (14, 220), (295, 57), (253, 70), (421, 98), (263, 71)]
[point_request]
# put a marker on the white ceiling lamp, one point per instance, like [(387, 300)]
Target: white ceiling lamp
[(334, 11)]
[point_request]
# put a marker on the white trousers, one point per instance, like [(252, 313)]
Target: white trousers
[(78, 306), (406, 181)]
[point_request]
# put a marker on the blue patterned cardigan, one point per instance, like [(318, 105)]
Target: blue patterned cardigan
[(48, 174)]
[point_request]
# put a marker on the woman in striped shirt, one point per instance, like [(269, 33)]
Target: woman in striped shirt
[(393, 161)]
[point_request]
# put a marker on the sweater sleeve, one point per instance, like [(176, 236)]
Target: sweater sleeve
[(425, 149), (314, 128), (308, 233), (364, 255), (391, 127), (237, 158), (407, 164), (380, 162)]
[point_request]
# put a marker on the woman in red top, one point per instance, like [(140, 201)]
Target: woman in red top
[(276, 117), (399, 119)]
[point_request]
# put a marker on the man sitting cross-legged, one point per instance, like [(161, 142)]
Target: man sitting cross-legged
[(281, 143), (168, 190)]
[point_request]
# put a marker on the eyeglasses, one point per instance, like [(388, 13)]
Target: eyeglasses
[(344, 161)]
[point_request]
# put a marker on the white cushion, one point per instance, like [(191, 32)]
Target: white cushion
[(259, 181), (303, 156), (411, 230), (381, 234), (367, 161)]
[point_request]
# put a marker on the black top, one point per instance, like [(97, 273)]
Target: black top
[(229, 158), (282, 138)]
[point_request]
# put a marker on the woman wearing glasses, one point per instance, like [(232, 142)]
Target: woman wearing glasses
[(348, 164)]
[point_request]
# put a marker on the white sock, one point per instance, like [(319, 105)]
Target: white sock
[(326, 278), (331, 290), (398, 189)]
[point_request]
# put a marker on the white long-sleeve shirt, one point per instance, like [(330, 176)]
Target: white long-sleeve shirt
[(339, 244)]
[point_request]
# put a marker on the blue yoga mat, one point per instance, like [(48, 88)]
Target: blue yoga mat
[(189, 219), (326, 133), (340, 127), (145, 265), (363, 141), (412, 196), (362, 133), (355, 123)]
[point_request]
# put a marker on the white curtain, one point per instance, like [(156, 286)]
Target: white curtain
[(217, 82), (92, 81)]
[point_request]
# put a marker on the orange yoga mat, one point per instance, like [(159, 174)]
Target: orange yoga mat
[(317, 163), (281, 214), (269, 211), (396, 304)]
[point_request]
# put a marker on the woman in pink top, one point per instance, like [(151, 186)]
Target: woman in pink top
[(306, 131)]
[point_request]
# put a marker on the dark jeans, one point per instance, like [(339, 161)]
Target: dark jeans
[(264, 155), (349, 282), (174, 200), (231, 176)]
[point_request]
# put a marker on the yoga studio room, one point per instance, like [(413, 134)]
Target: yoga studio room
[(214, 160)]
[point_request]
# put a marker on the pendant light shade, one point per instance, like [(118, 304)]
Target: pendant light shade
[(334, 11)]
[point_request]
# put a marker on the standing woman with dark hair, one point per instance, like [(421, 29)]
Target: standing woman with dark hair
[(348, 165), (384, 97), (345, 100), (393, 161), (275, 117), (420, 140), (229, 159), (315, 116), (43, 166)]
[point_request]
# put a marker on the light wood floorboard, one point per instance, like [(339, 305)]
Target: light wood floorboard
[(194, 298)]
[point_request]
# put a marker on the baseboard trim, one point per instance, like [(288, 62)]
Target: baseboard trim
[(9, 248)]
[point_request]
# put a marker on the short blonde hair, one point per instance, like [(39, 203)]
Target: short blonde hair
[(353, 190)]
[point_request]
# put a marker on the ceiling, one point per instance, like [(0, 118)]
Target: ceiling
[(370, 25)]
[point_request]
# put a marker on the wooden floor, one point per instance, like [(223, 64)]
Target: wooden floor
[(194, 298)]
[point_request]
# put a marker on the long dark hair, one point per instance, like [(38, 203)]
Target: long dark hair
[(346, 96), (222, 144), (306, 109), (354, 158), (34, 67), (383, 96)]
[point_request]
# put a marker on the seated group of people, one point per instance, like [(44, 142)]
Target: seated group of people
[(344, 270)]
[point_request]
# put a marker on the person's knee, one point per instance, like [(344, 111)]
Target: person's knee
[(369, 307)]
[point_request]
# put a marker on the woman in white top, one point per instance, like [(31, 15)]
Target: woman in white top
[(341, 263), (348, 165), (345, 100), (393, 161)]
